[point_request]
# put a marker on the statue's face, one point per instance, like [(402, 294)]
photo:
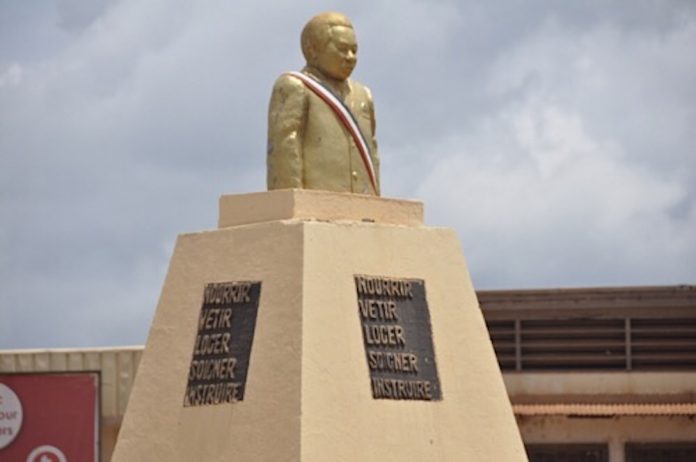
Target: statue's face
[(339, 56)]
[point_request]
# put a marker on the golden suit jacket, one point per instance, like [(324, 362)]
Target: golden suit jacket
[(309, 148)]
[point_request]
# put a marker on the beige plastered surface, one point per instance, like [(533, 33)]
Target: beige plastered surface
[(308, 392), (241, 209)]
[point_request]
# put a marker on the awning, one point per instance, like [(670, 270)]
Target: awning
[(606, 410)]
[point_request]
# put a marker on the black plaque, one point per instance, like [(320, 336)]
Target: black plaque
[(396, 331), (221, 351)]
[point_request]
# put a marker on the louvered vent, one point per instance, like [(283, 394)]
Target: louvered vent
[(613, 328), (595, 344), (504, 342), (663, 343), (573, 344)]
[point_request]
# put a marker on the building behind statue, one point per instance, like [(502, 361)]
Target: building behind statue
[(595, 374)]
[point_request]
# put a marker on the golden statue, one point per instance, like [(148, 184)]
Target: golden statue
[(321, 124)]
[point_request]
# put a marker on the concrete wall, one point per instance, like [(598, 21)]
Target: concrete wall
[(614, 431), (648, 385), (628, 388)]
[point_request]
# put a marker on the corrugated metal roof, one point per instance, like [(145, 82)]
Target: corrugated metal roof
[(117, 367), (605, 410)]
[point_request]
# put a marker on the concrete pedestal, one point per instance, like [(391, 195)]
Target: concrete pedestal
[(308, 393)]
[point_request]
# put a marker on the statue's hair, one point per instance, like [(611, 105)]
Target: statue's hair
[(318, 30)]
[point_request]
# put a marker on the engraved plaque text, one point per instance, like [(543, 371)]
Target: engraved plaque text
[(221, 351), (396, 332)]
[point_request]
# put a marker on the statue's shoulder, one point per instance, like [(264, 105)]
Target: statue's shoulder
[(288, 83), (363, 91)]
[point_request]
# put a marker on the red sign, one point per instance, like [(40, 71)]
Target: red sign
[(49, 417)]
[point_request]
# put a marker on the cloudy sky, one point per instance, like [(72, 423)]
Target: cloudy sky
[(558, 138)]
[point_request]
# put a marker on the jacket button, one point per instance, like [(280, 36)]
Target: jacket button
[(355, 175)]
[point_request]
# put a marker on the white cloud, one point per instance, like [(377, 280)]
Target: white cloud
[(12, 76), (632, 85), (552, 188)]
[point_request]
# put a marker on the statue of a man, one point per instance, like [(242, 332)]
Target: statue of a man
[(321, 124)]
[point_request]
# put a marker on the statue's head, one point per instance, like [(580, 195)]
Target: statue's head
[(329, 44)]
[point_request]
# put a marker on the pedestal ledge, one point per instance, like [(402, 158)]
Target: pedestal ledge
[(284, 204)]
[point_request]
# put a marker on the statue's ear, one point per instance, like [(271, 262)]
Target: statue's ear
[(312, 53)]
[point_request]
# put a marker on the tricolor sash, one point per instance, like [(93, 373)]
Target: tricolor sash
[(345, 117)]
